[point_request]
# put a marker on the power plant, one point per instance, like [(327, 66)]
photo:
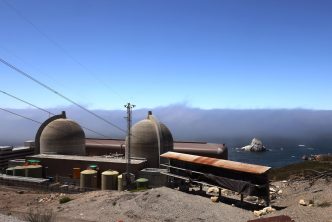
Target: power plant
[(60, 146), (63, 155)]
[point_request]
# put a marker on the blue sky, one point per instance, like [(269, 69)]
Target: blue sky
[(208, 54)]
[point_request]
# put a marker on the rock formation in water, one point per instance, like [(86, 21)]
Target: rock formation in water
[(255, 146)]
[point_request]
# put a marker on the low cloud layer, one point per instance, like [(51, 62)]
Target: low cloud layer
[(234, 127)]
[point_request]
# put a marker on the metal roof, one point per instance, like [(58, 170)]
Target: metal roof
[(225, 164)]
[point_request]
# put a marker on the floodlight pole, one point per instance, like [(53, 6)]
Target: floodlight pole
[(129, 112)]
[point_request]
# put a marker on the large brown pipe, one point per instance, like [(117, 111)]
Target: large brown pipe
[(215, 152)]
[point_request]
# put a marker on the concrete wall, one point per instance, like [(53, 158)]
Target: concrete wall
[(63, 167)]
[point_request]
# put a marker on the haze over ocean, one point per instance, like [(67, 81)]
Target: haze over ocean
[(280, 130)]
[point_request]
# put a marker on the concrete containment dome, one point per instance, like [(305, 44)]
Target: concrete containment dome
[(149, 139), (62, 136)]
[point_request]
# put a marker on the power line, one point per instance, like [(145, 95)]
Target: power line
[(27, 118), (61, 48), (58, 93), (27, 102), (37, 68), (50, 113), (16, 114)]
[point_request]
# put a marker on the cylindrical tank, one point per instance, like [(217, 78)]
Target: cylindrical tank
[(88, 179), (219, 151), (35, 171), (10, 171), (142, 183), (109, 180), (19, 171), (76, 173), (155, 176), (120, 183)]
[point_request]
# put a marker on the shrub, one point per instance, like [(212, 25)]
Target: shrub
[(64, 199), (324, 204)]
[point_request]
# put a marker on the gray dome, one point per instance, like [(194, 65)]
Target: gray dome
[(62, 136), (149, 139), (167, 139)]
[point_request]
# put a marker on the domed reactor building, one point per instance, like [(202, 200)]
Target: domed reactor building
[(63, 136), (61, 146), (150, 138)]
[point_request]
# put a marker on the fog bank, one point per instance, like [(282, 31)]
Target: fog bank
[(234, 127)]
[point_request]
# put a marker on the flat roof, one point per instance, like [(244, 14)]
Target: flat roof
[(21, 148), (86, 158), (3, 147), (24, 179)]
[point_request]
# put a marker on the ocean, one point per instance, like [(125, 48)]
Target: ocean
[(276, 156)]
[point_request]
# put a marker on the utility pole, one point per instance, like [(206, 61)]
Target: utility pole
[(129, 112)]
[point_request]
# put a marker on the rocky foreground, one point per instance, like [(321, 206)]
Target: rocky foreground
[(302, 198)]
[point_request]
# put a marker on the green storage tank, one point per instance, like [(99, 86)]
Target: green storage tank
[(88, 179), (109, 180), (142, 183), (35, 171), (19, 171)]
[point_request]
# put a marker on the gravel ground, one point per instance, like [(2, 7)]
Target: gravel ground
[(5, 218), (161, 204), (165, 204), (319, 194)]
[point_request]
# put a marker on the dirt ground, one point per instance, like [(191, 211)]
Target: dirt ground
[(165, 204)]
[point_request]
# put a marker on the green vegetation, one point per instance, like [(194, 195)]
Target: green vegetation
[(40, 216), (64, 199), (324, 204), (302, 169)]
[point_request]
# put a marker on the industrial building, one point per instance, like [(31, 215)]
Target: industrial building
[(99, 147), (61, 149), (8, 153), (61, 140)]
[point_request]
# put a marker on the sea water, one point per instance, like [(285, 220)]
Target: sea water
[(276, 156)]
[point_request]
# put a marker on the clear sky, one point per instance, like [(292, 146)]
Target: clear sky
[(206, 54)]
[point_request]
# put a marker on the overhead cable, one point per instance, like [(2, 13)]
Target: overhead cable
[(61, 48), (59, 94), (27, 102), (16, 114), (50, 113)]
